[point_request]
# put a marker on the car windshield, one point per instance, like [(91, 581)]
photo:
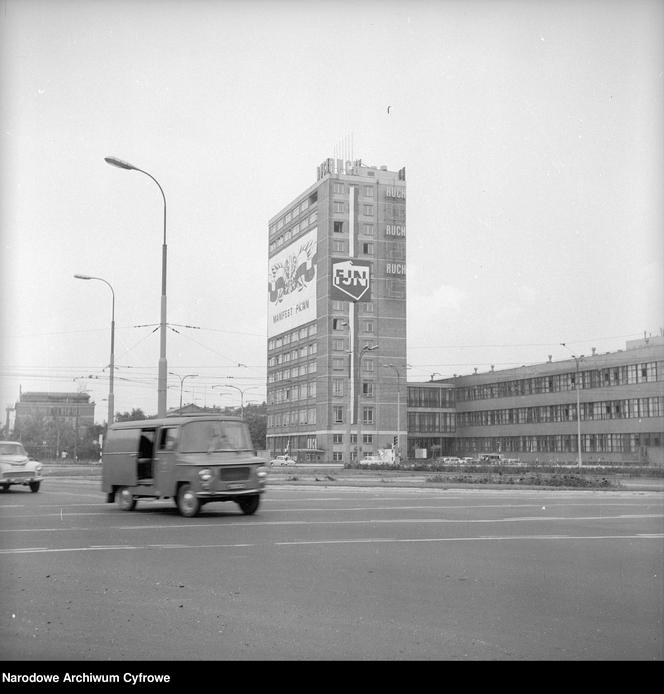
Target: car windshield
[(12, 449), (209, 436)]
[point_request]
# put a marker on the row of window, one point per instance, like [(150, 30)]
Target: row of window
[(366, 326), (301, 333), (339, 388), (293, 372), (628, 374), (341, 364), (430, 397), (340, 189), (304, 225), (339, 414), (305, 415), (339, 227), (292, 443), (293, 355), (292, 393), (294, 212), (338, 439), (561, 443), (431, 422), (633, 408)]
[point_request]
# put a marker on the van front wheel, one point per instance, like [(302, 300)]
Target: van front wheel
[(249, 505), (188, 503), (125, 499)]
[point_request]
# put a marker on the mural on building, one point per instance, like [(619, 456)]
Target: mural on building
[(292, 285)]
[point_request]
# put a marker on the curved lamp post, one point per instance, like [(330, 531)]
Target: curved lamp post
[(162, 382), (242, 392), (358, 443), (182, 382), (111, 402), (578, 399), (396, 371)]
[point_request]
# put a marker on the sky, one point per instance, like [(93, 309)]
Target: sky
[(531, 133)]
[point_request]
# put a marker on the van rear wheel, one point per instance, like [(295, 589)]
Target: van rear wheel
[(188, 503), (125, 499), (249, 505)]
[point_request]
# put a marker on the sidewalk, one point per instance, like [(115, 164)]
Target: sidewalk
[(334, 475)]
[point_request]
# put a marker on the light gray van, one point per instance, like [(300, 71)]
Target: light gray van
[(192, 459)]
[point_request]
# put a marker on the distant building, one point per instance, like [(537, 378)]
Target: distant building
[(70, 409), (530, 412)]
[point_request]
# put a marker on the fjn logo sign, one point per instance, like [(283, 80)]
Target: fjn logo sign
[(351, 280)]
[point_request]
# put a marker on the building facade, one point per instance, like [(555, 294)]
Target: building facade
[(531, 412), (336, 361), (67, 409)]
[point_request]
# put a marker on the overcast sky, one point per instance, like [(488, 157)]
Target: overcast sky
[(531, 133)]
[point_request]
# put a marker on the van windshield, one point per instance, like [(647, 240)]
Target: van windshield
[(209, 436)]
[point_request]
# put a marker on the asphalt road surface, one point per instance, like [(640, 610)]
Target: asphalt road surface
[(334, 573)]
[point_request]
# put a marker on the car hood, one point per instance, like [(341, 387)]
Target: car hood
[(13, 459)]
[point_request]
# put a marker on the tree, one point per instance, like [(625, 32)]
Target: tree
[(135, 415), (256, 418)]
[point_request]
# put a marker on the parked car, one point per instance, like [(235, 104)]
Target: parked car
[(282, 460), (371, 460), (17, 468)]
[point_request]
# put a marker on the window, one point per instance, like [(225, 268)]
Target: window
[(339, 246), (368, 326), (368, 389), (366, 306), (368, 191), (339, 323), (338, 363), (337, 438), (367, 248), (367, 438), (340, 207), (338, 345), (338, 415), (337, 456), (369, 364), (368, 229), (338, 306), (368, 210), (338, 227), (339, 188), (367, 415), (337, 387)]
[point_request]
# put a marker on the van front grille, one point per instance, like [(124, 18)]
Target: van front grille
[(234, 474)]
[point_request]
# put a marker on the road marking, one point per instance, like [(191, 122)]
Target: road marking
[(392, 521), (302, 543)]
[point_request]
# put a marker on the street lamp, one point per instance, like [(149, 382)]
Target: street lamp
[(363, 351), (182, 382), (111, 401), (578, 401), (396, 371), (162, 385), (242, 392)]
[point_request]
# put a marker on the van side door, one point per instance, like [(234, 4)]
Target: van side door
[(166, 458)]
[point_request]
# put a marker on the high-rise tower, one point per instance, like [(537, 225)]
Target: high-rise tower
[(336, 376)]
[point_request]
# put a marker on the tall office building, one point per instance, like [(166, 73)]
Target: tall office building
[(336, 376)]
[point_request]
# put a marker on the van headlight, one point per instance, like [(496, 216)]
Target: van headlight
[(205, 475), (38, 468), (261, 472)]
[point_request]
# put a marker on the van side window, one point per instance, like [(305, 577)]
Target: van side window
[(169, 439)]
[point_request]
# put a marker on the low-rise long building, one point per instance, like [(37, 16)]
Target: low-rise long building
[(612, 403)]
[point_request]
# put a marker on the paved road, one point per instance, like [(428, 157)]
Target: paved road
[(342, 573)]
